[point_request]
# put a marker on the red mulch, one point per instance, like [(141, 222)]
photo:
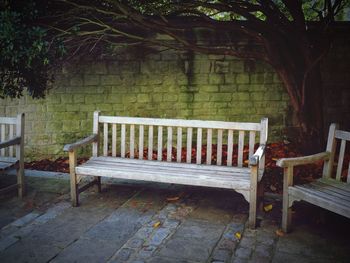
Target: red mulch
[(273, 175)]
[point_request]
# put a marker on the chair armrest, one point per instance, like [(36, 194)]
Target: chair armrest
[(71, 147), (285, 162), (255, 159), (14, 141)]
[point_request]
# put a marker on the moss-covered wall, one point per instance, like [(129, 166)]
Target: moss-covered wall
[(167, 84)]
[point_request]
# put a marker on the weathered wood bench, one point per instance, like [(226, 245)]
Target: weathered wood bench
[(11, 150), (328, 192), (242, 179)]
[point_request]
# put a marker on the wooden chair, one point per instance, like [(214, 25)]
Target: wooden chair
[(11, 150), (328, 192)]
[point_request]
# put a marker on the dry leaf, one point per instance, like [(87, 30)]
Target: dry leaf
[(238, 235), (274, 159), (157, 224), (268, 208), (279, 232)]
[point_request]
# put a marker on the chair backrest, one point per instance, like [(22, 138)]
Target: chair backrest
[(129, 135), (334, 137), (11, 127)]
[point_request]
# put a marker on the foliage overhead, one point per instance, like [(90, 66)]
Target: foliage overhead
[(26, 52)]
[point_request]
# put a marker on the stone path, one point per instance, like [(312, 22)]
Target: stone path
[(138, 223)]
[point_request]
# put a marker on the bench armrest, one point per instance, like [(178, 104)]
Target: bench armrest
[(71, 147), (255, 159), (14, 141), (287, 162)]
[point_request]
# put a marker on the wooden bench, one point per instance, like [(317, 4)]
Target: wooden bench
[(11, 150), (242, 179), (328, 192)]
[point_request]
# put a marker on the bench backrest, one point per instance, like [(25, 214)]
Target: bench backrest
[(11, 127), (335, 136), (157, 131)]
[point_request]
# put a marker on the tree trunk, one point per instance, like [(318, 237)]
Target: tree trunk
[(308, 108)]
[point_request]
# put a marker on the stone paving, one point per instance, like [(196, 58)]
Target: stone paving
[(153, 223)]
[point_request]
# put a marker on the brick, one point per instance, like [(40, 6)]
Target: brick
[(77, 80), (216, 79), (201, 97), (110, 80), (91, 80), (143, 98), (220, 97), (242, 79)]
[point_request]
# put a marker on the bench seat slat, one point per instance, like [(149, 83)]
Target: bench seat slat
[(330, 191), (317, 194), (329, 204), (331, 187), (170, 175), (322, 200), (203, 167), (188, 171)]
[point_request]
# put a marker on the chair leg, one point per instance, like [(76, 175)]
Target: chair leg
[(286, 214), (20, 182), (98, 183), (74, 190)]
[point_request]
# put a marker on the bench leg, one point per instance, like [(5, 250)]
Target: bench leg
[(74, 190), (20, 181), (253, 197), (73, 179), (286, 214), (286, 209), (98, 183)]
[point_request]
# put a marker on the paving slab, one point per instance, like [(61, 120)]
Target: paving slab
[(146, 222)]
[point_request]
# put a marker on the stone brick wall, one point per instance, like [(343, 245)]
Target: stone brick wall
[(166, 84), (170, 84)]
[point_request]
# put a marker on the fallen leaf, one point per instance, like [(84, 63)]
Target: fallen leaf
[(238, 235), (273, 188), (279, 232), (157, 224), (274, 159), (268, 208), (175, 198)]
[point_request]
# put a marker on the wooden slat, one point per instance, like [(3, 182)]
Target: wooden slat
[(182, 123), (150, 142), (330, 189), (199, 146), (160, 144), (95, 130), (105, 139), (331, 146), (318, 195), (3, 131), (169, 144), (132, 141), (229, 147), (202, 167), (239, 177), (340, 159), (251, 143), (114, 140), (11, 136), (189, 145), (174, 178), (240, 148), (141, 137), (219, 148), (209, 145), (343, 135), (7, 120), (179, 144), (122, 141)]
